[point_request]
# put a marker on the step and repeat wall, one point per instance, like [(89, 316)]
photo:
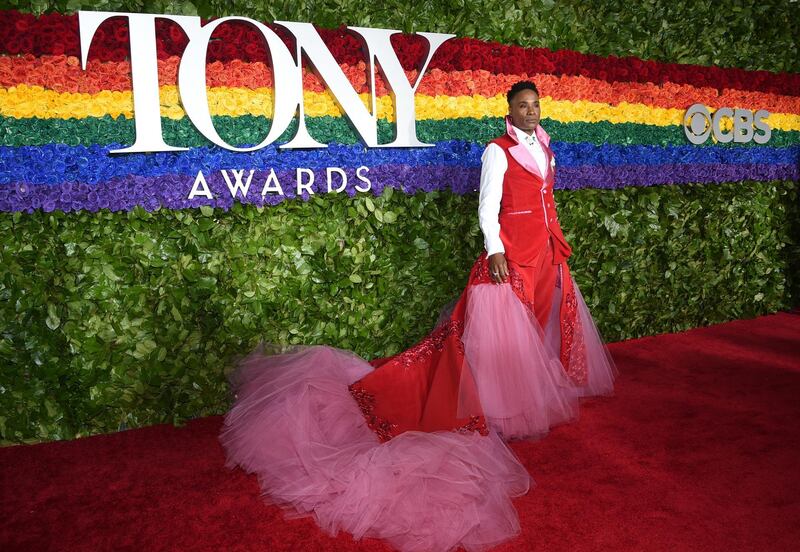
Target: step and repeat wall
[(167, 202)]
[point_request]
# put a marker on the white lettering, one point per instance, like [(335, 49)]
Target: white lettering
[(144, 71), (301, 187), (363, 179), (271, 184), (342, 174), (287, 73), (379, 49), (192, 83), (237, 185), (200, 187)]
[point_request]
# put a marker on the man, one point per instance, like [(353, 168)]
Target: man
[(517, 211), (437, 476)]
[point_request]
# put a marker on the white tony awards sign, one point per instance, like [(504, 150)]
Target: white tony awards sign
[(287, 97), (288, 79)]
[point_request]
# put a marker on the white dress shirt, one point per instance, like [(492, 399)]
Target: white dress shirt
[(493, 168)]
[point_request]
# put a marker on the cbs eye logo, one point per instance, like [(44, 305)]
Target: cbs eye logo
[(698, 124)]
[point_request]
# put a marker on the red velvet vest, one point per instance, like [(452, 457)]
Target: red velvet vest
[(527, 210)]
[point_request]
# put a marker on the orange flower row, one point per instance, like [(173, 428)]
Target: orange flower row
[(64, 74)]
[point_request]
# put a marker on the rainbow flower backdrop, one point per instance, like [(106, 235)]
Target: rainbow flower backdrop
[(614, 121)]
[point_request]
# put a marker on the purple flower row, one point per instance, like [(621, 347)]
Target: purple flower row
[(172, 191)]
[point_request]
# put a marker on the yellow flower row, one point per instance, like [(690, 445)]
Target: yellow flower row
[(33, 101)]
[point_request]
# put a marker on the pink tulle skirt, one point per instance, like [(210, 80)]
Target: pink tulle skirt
[(296, 426), (521, 384)]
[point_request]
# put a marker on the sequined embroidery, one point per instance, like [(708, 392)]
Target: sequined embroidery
[(432, 342), (476, 423), (366, 402), (482, 276), (573, 356)]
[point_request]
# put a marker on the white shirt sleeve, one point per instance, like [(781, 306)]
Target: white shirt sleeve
[(493, 169)]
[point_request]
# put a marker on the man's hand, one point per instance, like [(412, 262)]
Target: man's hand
[(498, 268)]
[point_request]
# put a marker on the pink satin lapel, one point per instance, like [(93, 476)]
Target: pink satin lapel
[(522, 156), (542, 135)]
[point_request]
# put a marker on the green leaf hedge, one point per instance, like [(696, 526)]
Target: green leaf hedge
[(115, 320)]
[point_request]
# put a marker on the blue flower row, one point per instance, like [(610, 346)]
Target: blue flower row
[(57, 163)]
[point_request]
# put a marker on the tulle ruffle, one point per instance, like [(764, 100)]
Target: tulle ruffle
[(295, 425), (601, 370), (522, 386), (515, 364)]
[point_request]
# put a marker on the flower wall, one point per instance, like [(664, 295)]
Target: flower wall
[(124, 301), (614, 122)]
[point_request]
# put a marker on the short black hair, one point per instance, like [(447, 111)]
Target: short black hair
[(519, 87)]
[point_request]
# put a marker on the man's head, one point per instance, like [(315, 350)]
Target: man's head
[(523, 106)]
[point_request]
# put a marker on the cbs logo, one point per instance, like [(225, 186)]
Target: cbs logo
[(698, 124)]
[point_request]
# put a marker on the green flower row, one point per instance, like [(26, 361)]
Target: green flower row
[(251, 130)]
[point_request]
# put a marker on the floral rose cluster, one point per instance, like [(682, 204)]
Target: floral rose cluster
[(56, 34), (24, 101), (614, 118)]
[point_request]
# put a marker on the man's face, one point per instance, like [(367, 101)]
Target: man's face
[(525, 111)]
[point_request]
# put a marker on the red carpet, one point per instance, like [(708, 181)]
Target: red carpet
[(698, 450)]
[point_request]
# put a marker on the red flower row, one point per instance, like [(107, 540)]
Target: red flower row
[(56, 34)]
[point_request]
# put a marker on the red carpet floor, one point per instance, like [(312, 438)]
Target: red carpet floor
[(698, 450)]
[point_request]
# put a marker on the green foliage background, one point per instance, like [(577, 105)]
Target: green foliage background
[(124, 319), (112, 320)]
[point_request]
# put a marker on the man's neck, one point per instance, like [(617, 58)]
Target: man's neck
[(525, 131)]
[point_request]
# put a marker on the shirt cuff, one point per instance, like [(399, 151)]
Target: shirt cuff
[(494, 246)]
